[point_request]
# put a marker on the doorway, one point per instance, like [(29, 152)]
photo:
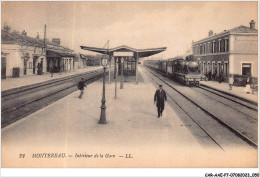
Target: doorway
[(246, 69), (3, 67), (34, 64)]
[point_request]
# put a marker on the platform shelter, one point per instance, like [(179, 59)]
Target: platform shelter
[(126, 57)]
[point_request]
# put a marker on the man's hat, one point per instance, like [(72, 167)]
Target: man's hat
[(160, 85)]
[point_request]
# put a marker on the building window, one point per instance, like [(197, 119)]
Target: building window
[(213, 67), (30, 65), (226, 69), (204, 48), (246, 69), (213, 46), (226, 44), (219, 45), (200, 49), (208, 47), (204, 66)]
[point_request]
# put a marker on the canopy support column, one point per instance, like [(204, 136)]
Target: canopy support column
[(136, 68)]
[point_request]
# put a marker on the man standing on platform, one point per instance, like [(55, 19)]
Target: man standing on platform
[(159, 98), (81, 86)]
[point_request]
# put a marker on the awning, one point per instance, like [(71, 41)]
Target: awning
[(141, 52)]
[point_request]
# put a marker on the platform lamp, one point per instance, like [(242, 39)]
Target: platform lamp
[(104, 62), (121, 82)]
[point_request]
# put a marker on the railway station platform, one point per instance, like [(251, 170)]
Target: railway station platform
[(133, 137), (70, 126), (10, 83), (238, 91)]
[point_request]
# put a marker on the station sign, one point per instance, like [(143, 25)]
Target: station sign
[(123, 54)]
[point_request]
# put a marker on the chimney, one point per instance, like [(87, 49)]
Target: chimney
[(252, 24), (24, 33), (7, 28), (38, 36), (210, 32), (56, 41)]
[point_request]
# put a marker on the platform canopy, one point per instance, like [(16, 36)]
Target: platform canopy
[(123, 48)]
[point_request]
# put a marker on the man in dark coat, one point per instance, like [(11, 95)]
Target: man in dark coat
[(81, 86), (159, 98)]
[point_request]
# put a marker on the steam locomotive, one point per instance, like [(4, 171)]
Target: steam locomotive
[(184, 70)]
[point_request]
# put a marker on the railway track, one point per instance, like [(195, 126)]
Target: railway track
[(223, 131), (250, 112), (20, 102), (244, 102)]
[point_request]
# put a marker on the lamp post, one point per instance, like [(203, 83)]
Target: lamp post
[(102, 120), (121, 82)]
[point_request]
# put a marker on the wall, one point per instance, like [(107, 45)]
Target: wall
[(236, 61), (14, 58), (245, 44)]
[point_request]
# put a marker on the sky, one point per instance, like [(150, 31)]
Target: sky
[(141, 25)]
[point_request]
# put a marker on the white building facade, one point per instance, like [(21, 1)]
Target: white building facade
[(233, 51)]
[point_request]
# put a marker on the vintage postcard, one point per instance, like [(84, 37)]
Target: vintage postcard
[(168, 84)]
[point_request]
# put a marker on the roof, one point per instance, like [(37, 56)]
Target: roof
[(141, 52), (238, 30), (243, 29), (58, 53), (16, 38)]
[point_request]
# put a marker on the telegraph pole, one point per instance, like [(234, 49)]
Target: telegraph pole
[(44, 47), (45, 28)]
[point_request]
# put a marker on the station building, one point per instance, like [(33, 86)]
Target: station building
[(233, 51), (22, 55)]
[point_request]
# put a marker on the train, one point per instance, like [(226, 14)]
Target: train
[(185, 70)]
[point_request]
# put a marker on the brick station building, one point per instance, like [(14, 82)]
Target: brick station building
[(233, 51)]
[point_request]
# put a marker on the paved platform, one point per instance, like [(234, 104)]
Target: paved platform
[(10, 83), (236, 90), (132, 137)]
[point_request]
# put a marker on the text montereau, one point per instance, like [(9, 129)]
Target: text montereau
[(49, 155)]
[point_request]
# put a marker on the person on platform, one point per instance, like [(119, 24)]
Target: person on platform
[(52, 70), (220, 77), (214, 76), (159, 98), (248, 86), (81, 86), (210, 75), (230, 81)]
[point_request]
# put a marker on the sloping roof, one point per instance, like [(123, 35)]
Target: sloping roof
[(243, 29), (16, 38), (240, 29), (60, 53), (84, 56), (141, 52)]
